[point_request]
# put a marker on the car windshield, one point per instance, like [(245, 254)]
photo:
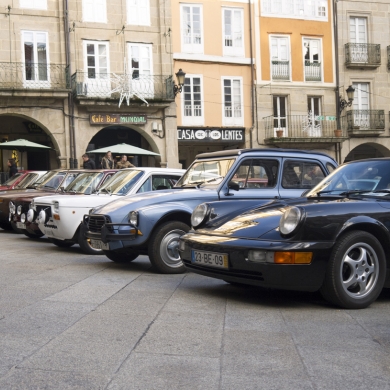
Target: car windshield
[(85, 183), (203, 173), (122, 182), (53, 180), (27, 180), (371, 177), (12, 179)]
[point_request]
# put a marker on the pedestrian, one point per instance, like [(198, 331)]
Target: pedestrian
[(123, 163), (87, 162), (12, 167), (107, 161)]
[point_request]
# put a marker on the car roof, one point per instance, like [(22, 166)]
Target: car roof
[(155, 169), (368, 160), (266, 151)]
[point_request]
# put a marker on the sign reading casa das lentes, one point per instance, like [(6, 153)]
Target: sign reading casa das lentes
[(120, 119)]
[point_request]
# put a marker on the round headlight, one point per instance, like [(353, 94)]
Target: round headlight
[(133, 218), (23, 218), (30, 215), (42, 217), (290, 220), (199, 215), (19, 210), (12, 208)]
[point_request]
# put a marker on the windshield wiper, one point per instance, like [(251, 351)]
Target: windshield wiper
[(344, 193), (378, 191)]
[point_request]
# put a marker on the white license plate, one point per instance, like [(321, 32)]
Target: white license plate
[(97, 244), (211, 259), (20, 225)]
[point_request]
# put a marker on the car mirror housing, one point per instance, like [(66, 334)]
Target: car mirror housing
[(234, 185)]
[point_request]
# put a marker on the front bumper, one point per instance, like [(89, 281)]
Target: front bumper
[(299, 277)]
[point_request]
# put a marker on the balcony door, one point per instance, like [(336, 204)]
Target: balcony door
[(358, 36), (312, 52), (140, 59), (280, 114), (361, 105), (280, 58), (313, 126)]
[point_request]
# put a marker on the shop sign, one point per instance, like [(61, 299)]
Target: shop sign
[(33, 128), (119, 119), (211, 135)]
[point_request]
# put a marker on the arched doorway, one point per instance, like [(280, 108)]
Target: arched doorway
[(113, 135), (367, 150)]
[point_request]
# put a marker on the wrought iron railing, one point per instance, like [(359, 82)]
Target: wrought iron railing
[(362, 54), (312, 71), (300, 126), (365, 120), (280, 70), (18, 75), (113, 85), (388, 57)]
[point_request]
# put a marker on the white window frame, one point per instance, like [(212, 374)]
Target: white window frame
[(360, 118), (33, 4), (95, 18), (233, 51), (135, 19), (320, 54), (279, 117), (233, 120), (313, 126), (193, 120), (288, 56), (36, 83), (197, 48)]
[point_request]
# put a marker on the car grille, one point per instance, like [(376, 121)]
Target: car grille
[(96, 222), (47, 210)]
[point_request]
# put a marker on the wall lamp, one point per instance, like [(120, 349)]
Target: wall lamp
[(180, 75), (350, 94)]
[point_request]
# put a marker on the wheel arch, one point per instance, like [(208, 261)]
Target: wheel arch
[(181, 216)]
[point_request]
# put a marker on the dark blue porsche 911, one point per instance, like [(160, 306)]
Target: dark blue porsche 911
[(336, 239)]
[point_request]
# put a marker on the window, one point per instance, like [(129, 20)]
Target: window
[(256, 173), (158, 182), (312, 127), (232, 101), (95, 11), (138, 12), (280, 114), (33, 4), (301, 174), (233, 32), (191, 28), (192, 97), (36, 69), (312, 59), (280, 58), (140, 58), (361, 106), (358, 36), (299, 9)]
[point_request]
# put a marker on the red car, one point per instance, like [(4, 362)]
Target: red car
[(21, 180)]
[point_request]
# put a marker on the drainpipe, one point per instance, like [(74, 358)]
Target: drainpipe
[(252, 76), (337, 91), (73, 158)]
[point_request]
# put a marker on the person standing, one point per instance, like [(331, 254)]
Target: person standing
[(87, 162), (12, 167), (123, 163), (107, 161)]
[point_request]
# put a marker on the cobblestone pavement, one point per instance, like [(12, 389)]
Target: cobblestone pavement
[(73, 321)]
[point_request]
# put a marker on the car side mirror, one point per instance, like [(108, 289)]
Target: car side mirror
[(234, 185)]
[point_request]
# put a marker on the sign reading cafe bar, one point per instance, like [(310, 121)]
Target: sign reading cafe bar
[(211, 135), (120, 119)]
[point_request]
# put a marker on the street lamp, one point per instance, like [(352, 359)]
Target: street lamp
[(180, 75), (350, 94)]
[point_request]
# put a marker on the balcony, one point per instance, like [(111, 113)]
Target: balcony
[(302, 130), (312, 71), (124, 87), (362, 55), (32, 76), (364, 123), (280, 70)]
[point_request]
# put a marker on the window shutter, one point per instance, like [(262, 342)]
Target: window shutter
[(132, 11), (101, 12), (41, 4), (88, 11), (144, 18)]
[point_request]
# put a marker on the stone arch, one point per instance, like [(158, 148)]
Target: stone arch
[(367, 150)]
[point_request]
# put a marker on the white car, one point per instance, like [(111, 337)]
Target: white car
[(59, 216)]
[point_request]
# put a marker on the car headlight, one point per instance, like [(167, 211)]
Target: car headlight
[(290, 220), (133, 218), (23, 218), (42, 217), (56, 207), (19, 210), (12, 207), (30, 215), (200, 214)]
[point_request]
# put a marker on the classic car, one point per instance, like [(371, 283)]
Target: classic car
[(21, 180), (152, 223), (335, 239), (59, 217), (76, 183)]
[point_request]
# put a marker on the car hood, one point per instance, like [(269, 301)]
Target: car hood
[(76, 201), (28, 196)]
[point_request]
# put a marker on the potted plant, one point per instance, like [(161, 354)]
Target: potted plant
[(279, 133), (338, 132)]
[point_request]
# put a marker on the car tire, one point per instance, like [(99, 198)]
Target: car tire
[(124, 256), (32, 235), (163, 247), (60, 243), (86, 247), (356, 271)]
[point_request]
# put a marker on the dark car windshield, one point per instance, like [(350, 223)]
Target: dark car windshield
[(85, 183), (27, 180), (44, 179), (360, 177), (203, 173), (122, 182), (53, 181)]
